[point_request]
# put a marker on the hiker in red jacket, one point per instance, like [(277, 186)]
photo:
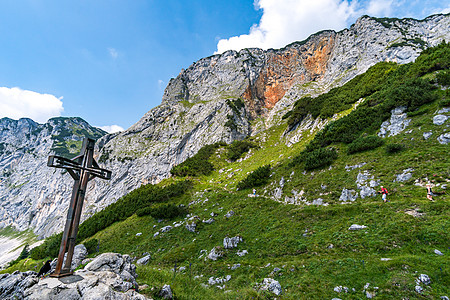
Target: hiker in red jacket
[(384, 193)]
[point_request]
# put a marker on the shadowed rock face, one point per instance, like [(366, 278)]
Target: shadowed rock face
[(201, 106)]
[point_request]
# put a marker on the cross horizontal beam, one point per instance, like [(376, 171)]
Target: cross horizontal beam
[(65, 163)]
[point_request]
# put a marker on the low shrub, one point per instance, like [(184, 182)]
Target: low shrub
[(257, 178), (319, 158), (443, 78), (198, 164), (49, 248), (237, 148), (364, 144), (91, 246), (394, 148), (166, 211), (126, 206)]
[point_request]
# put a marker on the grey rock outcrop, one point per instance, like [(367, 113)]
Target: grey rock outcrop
[(439, 119), (271, 285), (229, 243), (166, 292), (144, 260), (348, 195), (12, 286), (366, 183), (117, 263), (79, 254), (396, 124), (426, 135), (109, 276), (215, 253), (405, 176), (444, 138)]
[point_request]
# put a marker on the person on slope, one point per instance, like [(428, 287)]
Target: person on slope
[(384, 193), (429, 192)]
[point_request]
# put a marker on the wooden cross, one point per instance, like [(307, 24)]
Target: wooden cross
[(82, 169)]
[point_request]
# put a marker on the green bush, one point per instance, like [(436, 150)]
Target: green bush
[(49, 248), (126, 206), (198, 164), (443, 78), (25, 253), (364, 144), (166, 211), (38, 253), (237, 148), (319, 158), (394, 148), (341, 98), (91, 246), (257, 178)]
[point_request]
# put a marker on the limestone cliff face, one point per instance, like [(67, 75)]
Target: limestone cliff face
[(216, 99), (32, 194)]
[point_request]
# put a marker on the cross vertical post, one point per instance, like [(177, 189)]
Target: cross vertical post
[(82, 168)]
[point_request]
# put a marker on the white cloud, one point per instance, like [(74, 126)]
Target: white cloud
[(16, 103), (113, 52), (160, 84), (112, 128), (286, 21), (380, 8), (442, 10)]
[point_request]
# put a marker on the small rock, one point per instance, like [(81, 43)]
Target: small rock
[(235, 266), (191, 226), (438, 252), (271, 285), (144, 260), (444, 298), (386, 259), (444, 110), (419, 289), (166, 228), (370, 295), (229, 243), (405, 176), (444, 139), (340, 289), (229, 214), (242, 253), (348, 195), (209, 221), (139, 234), (439, 119), (423, 278), (426, 135), (166, 292), (215, 253), (357, 227)]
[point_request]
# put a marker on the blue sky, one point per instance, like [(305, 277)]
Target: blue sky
[(109, 61)]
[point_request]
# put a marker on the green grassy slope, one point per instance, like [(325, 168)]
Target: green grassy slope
[(309, 248)]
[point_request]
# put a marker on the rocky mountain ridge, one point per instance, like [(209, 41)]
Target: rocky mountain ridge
[(32, 194), (223, 98)]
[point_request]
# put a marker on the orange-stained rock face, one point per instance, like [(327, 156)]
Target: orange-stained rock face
[(295, 65)]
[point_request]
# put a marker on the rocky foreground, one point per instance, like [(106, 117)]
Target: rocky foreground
[(108, 276)]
